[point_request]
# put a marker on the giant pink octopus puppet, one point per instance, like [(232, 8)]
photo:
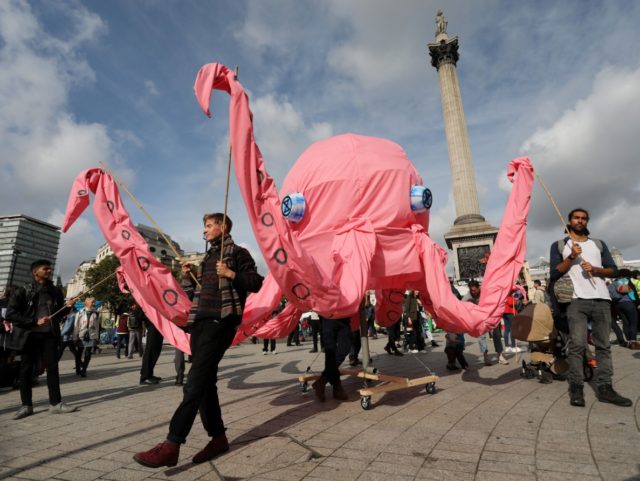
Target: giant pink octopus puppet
[(353, 215)]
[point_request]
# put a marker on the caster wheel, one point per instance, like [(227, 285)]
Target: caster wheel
[(304, 386), (431, 388), (365, 402)]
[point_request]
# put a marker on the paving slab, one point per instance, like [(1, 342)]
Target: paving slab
[(487, 423)]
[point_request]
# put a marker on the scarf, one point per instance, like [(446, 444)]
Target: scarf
[(216, 288)]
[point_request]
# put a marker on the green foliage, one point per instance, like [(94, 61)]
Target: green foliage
[(108, 292)]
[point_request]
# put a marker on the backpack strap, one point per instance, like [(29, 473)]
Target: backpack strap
[(562, 242)]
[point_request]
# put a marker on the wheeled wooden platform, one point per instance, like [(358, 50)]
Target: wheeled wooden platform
[(370, 375), (386, 383)]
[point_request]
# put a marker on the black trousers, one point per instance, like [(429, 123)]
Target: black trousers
[(77, 353), (152, 351), (316, 328), (46, 345), (209, 341), (336, 334), (394, 335)]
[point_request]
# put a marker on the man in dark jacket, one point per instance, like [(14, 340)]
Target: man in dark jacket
[(36, 312), (216, 312)]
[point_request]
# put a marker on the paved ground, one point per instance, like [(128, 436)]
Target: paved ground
[(484, 424)]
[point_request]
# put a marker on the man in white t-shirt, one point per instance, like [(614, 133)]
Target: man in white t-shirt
[(587, 261)]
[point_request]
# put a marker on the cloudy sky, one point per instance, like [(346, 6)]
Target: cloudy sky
[(83, 82)]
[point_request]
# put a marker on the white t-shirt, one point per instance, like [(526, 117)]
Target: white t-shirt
[(585, 287)]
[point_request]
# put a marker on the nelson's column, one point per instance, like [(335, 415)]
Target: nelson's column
[(470, 237)]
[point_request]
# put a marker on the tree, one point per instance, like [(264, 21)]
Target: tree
[(108, 292)]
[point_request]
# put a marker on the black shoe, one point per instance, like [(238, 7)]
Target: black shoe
[(606, 394), (576, 395), (398, 353), (149, 382), (313, 350), (434, 344), (386, 348), (155, 378), (288, 344)]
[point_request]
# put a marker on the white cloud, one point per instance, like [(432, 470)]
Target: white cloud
[(44, 147), (589, 158)]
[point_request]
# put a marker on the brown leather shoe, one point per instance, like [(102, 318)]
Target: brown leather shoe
[(318, 387), (163, 454), (216, 446), (339, 392)]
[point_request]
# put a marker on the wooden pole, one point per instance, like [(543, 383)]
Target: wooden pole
[(144, 211), (87, 291), (564, 224), (226, 196)]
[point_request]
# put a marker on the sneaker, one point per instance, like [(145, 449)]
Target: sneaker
[(388, 349), (23, 412), (576, 395), (502, 360), (215, 447), (149, 381), (508, 349), (606, 394), (264, 353), (274, 352), (163, 454), (518, 349), (452, 367), (422, 351), (156, 379), (413, 351), (61, 408)]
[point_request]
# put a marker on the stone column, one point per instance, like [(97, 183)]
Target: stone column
[(470, 237), (444, 56)]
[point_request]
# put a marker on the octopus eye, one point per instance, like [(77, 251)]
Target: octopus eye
[(421, 198), (293, 207)]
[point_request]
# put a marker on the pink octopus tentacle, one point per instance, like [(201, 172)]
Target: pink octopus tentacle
[(151, 284), (502, 270), (300, 279)]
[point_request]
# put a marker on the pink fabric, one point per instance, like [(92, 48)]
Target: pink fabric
[(358, 231), (151, 284)]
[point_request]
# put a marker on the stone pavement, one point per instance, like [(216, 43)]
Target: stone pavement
[(484, 424)]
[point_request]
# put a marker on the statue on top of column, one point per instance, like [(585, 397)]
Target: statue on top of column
[(441, 24)]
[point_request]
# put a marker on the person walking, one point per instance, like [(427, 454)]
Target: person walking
[(216, 311)]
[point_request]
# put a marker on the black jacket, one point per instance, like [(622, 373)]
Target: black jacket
[(22, 311)]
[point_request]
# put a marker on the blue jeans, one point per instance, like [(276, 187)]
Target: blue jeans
[(508, 326), (497, 341), (578, 313)]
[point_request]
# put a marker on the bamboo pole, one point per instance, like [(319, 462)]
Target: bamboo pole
[(144, 211)]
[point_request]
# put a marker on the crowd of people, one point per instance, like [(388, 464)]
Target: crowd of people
[(40, 324)]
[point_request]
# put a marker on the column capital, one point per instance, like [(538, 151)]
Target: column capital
[(445, 52)]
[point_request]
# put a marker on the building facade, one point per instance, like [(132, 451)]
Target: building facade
[(23, 240)]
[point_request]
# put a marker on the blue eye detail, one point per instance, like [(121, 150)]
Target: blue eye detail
[(293, 207), (421, 198)]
